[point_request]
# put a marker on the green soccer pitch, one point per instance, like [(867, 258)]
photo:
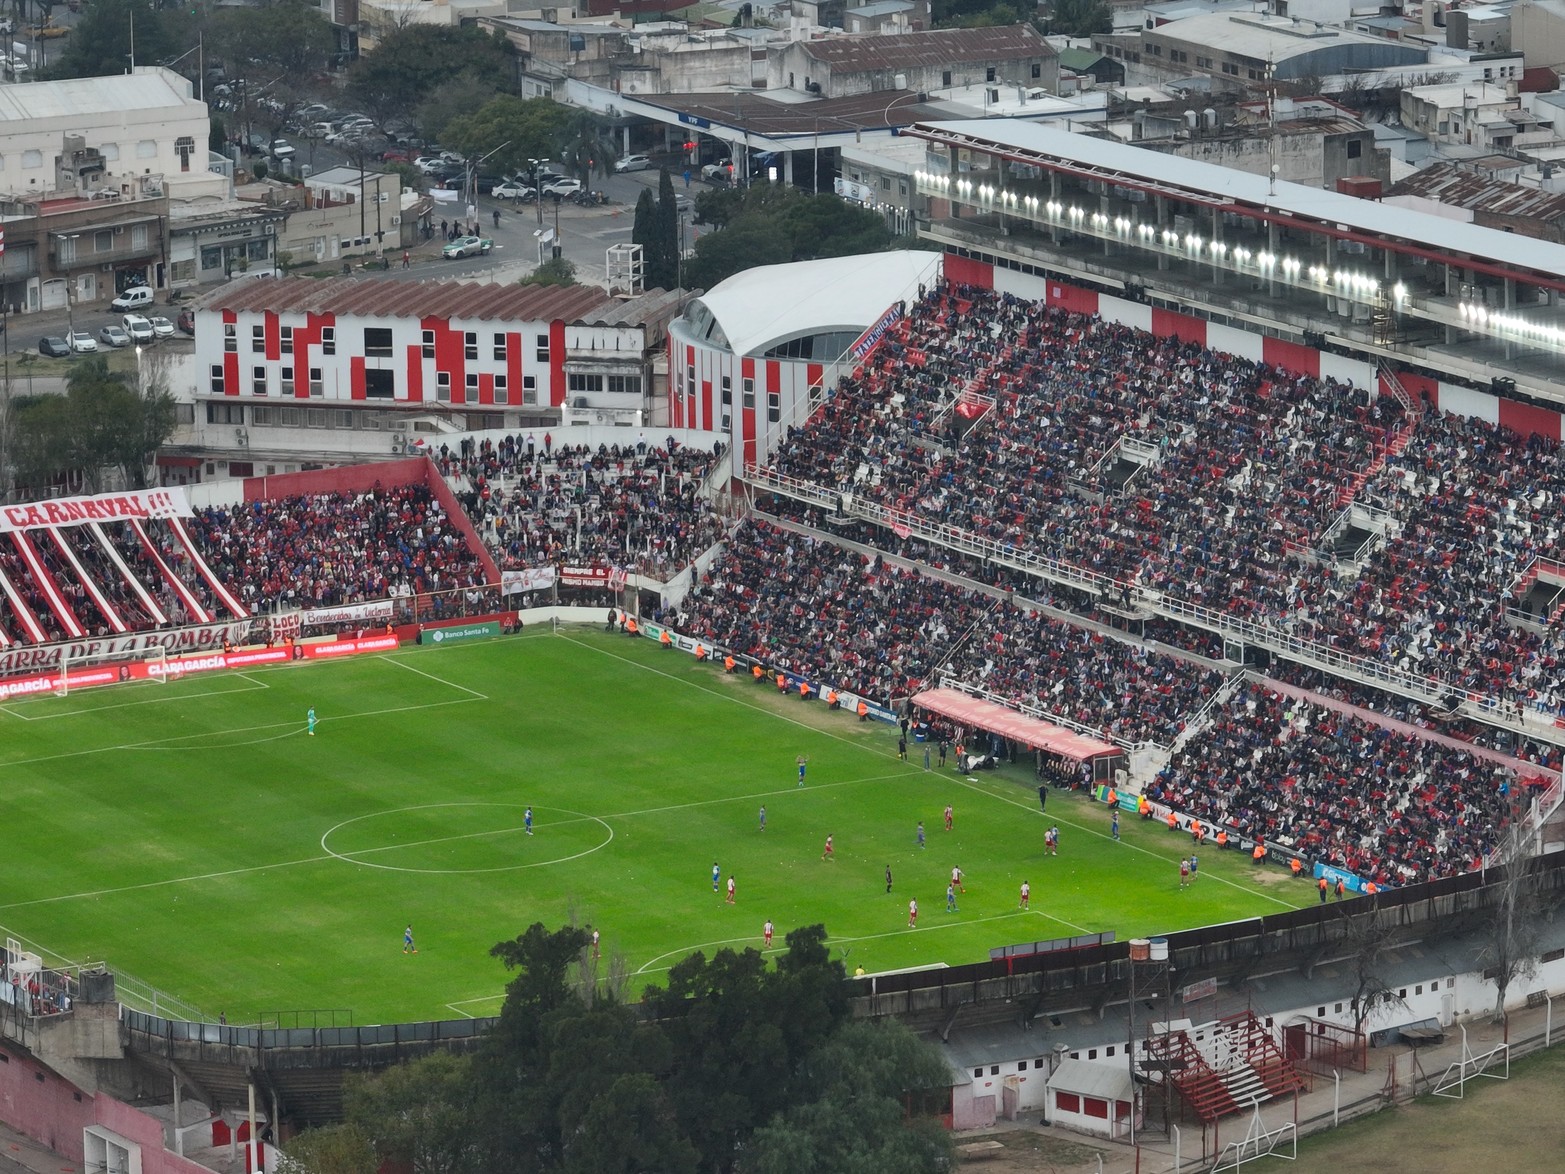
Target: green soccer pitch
[(194, 836)]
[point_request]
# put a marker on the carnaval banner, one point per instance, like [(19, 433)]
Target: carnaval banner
[(105, 507)]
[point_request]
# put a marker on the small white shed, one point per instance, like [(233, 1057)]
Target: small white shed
[(1091, 1097)]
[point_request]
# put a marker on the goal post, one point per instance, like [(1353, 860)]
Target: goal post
[(156, 665), (151, 665)]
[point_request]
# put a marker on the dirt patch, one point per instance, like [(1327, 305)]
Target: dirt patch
[(1026, 1152)]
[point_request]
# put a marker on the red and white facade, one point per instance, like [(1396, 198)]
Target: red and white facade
[(388, 344), (728, 367)]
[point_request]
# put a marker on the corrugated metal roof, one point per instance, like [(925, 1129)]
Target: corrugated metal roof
[(1461, 188), (1093, 1078), (1263, 37), (151, 89), (656, 307), (1224, 185), (761, 115), (381, 298), (930, 49)]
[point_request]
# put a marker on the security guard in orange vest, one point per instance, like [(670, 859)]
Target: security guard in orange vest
[(728, 663)]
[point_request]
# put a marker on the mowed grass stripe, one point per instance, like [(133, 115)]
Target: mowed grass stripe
[(209, 872)]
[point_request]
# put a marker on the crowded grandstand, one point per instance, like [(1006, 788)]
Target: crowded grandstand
[(1142, 498)]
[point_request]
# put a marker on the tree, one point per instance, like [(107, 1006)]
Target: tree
[(1514, 933), (99, 41), (554, 271), (586, 147), (1080, 18), (463, 94), (854, 1118), (742, 245), (628, 1129), (657, 232), (334, 1149), (773, 223), (1367, 939), (418, 1113), (417, 61), (515, 130)]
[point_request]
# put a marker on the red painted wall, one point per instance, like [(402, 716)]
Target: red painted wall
[(1168, 324), (968, 271), (557, 362), (1526, 419), (1291, 356)]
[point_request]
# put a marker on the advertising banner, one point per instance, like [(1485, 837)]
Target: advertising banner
[(523, 581), (176, 642), (105, 507), (871, 337), (457, 633), (1333, 874), (330, 650), (349, 613)]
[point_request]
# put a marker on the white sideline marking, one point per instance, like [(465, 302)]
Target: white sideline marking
[(477, 696)]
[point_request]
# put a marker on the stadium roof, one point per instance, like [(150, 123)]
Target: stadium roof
[(763, 115), (997, 719), (357, 297), (761, 307), (1103, 159), (151, 88)]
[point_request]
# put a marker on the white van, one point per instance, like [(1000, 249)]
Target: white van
[(138, 297)]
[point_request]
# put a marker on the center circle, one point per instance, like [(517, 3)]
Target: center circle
[(469, 837)]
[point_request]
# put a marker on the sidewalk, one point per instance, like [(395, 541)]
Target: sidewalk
[(1359, 1094)]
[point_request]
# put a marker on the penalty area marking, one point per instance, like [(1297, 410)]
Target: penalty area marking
[(473, 693), (161, 698), (355, 856)]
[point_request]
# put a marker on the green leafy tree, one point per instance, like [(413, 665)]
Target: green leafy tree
[(515, 129), (587, 147), (774, 223), (42, 450), (644, 225), (1080, 18), (333, 1149), (717, 206), (100, 40), (413, 63), (464, 94), (975, 14), (854, 1088), (629, 1129), (419, 1113), (554, 271), (663, 260)]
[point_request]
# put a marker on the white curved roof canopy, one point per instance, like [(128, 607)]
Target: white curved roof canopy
[(761, 308)]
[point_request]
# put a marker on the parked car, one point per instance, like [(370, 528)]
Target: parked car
[(562, 187), (53, 347), (139, 329), (511, 190), (720, 172), (186, 322), (161, 326), (81, 343), (114, 336), (633, 163), (137, 297), (467, 246), (282, 149)]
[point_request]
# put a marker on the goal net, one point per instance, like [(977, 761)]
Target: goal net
[(144, 666)]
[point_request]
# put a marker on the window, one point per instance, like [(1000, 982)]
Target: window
[(945, 77), (1152, 50), (287, 340), (1355, 148), (1203, 62), (138, 237), (230, 337), (978, 1071), (328, 340), (443, 386), (225, 413), (211, 257), (182, 271), (1178, 55), (1095, 1107), (773, 406), (470, 345), (1067, 1102), (184, 413), (502, 392), (258, 381), (499, 347), (103, 241), (380, 384), (749, 393), (1254, 75), (285, 384), (146, 149), (577, 381), (994, 1070), (429, 344), (885, 183), (377, 342), (728, 391), (1230, 68), (541, 348), (472, 386), (690, 379), (263, 415), (989, 74), (317, 385), (184, 147), (258, 339), (1037, 71), (529, 389), (625, 384), (217, 379)]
